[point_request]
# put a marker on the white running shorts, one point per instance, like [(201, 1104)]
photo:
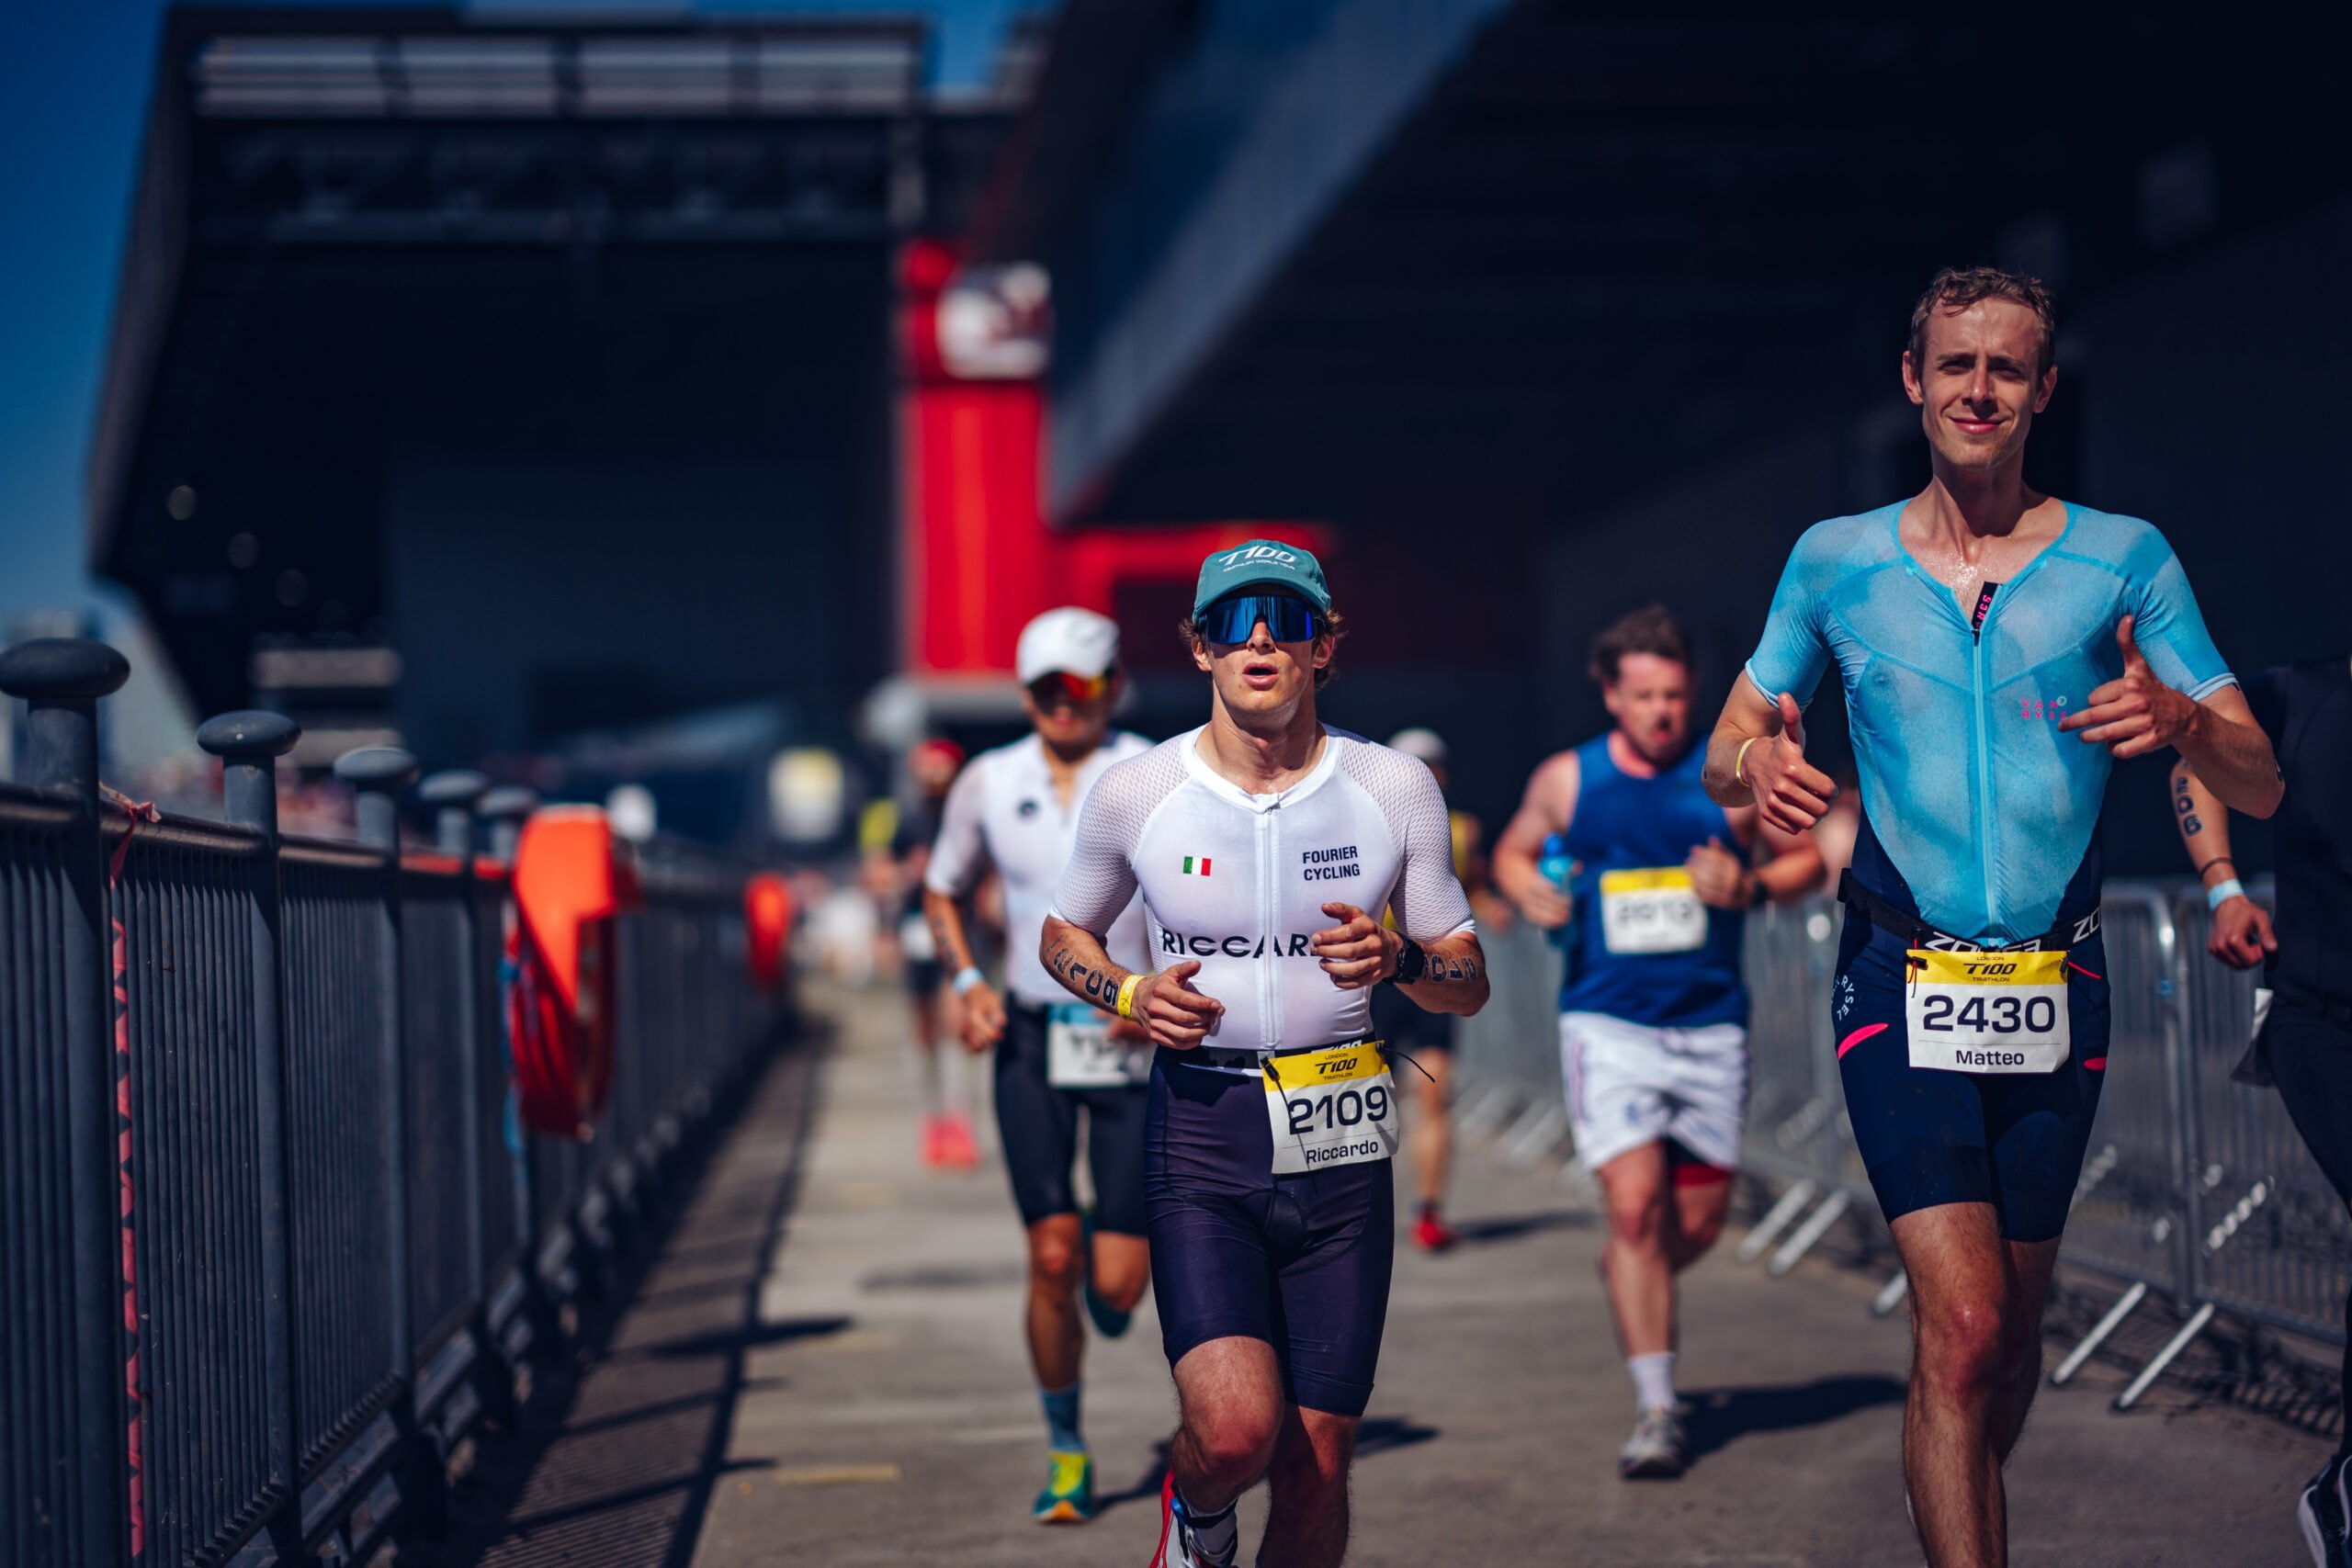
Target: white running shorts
[(1630, 1084)]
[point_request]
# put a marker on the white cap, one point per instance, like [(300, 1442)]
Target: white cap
[(1068, 639), (1421, 744)]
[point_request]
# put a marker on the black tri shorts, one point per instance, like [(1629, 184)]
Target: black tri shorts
[(1930, 1136), (1406, 1026), (1037, 1124), (1301, 1262)]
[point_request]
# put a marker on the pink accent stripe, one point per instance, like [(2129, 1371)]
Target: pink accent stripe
[(2080, 970), (2094, 1063), (1857, 1038)]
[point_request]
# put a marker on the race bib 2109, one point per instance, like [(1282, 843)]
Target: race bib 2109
[(1332, 1107)]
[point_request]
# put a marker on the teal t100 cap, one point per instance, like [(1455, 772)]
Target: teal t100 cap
[(1262, 563)]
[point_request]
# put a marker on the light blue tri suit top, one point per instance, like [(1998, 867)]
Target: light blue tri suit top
[(1986, 812)]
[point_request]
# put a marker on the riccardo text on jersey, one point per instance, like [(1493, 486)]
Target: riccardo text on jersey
[(1293, 946)]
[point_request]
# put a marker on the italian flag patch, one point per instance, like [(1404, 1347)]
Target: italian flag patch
[(1196, 868)]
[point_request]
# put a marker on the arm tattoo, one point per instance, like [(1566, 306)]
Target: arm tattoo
[(2184, 802), (944, 934), (1100, 987), (1449, 967)]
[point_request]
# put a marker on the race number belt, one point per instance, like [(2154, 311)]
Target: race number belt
[(1917, 933), (1987, 1012), (1330, 1106), (1081, 1054), (1655, 909)]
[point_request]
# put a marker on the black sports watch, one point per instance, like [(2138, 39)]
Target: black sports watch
[(1411, 961)]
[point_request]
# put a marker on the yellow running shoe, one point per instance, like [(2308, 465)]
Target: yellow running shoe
[(1068, 1496)]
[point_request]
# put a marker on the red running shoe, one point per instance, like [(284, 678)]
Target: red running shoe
[(1431, 1233), (957, 1148)]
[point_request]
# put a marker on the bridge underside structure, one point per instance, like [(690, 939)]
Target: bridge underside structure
[(550, 355), (1576, 306)]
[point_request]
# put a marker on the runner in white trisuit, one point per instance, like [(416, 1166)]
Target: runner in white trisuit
[(1015, 808), (1265, 846)]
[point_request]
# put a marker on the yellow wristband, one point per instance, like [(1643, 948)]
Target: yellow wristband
[(1739, 761), (1124, 1006)]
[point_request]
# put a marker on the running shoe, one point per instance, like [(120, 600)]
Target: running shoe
[(2324, 1510), (1431, 1233), (1177, 1547), (956, 1148), (1654, 1451), (1109, 1321), (935, 1147), (1068, 1496)]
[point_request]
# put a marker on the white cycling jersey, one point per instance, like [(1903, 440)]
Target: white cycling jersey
[(1003, 811), (1238, 881)]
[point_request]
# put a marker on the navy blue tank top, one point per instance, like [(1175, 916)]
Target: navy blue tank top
[(1641, 947)]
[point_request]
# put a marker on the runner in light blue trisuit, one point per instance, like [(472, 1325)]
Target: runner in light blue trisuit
[(1997, 648)]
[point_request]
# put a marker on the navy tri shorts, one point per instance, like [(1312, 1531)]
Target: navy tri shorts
[(1037, 1125), (1301, 1262), (1929, 1136)]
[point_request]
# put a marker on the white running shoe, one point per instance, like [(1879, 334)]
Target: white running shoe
[(2323, 1511), (1178, 1547), (1654, 1451)]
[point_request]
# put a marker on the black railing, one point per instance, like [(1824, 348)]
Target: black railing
[(263, 1205)]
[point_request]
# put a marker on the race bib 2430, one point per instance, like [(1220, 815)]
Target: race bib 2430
[(1987, 1012)]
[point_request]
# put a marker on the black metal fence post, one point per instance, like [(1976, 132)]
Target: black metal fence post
[(505, 809), (452, 797), (248, 743), (452, 794), (378, 774), (60, 680)]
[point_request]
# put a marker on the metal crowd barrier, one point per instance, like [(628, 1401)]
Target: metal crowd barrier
[(271, 1242), (2196, 1188), (1508, 1051)]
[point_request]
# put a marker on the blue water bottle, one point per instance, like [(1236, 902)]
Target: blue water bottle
[(1558, 867)]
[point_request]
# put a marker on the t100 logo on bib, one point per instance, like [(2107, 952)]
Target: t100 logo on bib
[(1331, 1108)]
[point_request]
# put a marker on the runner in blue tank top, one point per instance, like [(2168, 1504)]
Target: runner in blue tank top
[(1653, 1016), (1998, 649)]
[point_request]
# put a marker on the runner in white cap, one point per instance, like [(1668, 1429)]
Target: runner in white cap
[(1016, 809)]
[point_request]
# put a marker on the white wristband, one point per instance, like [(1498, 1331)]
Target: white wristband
[(967, 977), (2222, 893)]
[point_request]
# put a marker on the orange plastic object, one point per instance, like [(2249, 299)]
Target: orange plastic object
[(569, 887), (767, 919)]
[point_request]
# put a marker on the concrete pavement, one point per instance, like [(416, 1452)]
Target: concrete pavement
[(821, 1363), (887, 1415)]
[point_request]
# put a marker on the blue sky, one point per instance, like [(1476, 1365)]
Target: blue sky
[(74, 83)]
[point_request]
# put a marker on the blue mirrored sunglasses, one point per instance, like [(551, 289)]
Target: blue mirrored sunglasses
[(1234, 619)]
